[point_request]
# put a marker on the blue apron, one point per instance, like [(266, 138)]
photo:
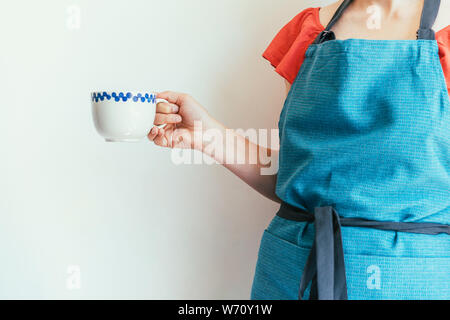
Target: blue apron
[(364, 173)]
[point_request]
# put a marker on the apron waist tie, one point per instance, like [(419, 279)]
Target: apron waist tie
[(325, 267)]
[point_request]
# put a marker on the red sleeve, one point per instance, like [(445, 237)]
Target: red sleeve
[(287, 50), (443, 39)]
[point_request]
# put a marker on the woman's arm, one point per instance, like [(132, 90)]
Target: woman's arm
[(236, 146), (264, 184), (288, 86), (181, 115)]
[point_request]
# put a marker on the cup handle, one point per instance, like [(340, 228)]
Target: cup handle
[(156, 103)]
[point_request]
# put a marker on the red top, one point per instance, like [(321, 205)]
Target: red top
[(287, 50)]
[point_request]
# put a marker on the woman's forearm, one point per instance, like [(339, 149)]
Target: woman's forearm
[(189, 126), (247, 160)]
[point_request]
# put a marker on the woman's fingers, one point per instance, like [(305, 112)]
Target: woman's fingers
[(161, 118), (160, 139), (153, 133), (167, 108), (172, 97), (157, 136)]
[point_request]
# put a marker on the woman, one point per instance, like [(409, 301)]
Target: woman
[(364, 177)]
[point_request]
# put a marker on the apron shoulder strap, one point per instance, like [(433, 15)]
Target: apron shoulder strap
[(327, 34), (429, 15)]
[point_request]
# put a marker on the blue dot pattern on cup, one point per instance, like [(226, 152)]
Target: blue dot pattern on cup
[(114, 96)]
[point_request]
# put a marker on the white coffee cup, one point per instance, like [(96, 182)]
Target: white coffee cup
[(124, 116)]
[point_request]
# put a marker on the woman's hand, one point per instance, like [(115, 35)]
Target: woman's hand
[(180, 115)]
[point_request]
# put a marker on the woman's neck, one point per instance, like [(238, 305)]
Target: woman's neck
[(391, 7)]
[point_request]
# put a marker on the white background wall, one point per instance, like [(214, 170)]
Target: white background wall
[(137, 225)]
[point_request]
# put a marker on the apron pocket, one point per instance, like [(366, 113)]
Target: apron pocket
[(278, 269), (369, 277), (397, 278)]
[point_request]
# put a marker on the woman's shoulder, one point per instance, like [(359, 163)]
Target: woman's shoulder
[(326, 13), (443, 18), (313, 17), (286, 51), (305, 18)]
